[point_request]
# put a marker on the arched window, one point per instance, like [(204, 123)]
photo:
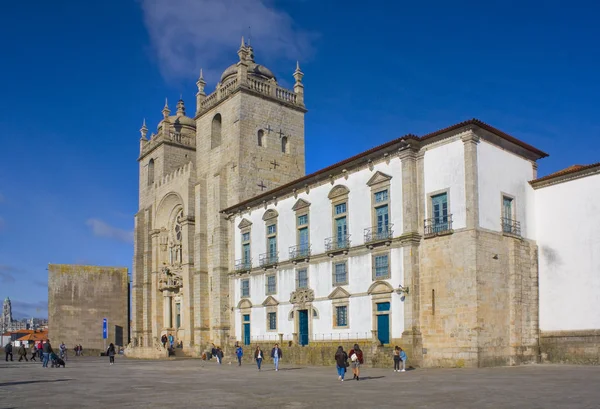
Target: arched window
[(215, 135), (261, 137), (284, 144), (151, 172)]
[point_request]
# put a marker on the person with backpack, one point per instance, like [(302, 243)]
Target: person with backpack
[(276, 354), (239, 353), (8, 351), (111, 353), (341, 361), (356, 358)]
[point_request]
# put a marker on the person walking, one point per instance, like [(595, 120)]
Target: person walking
[(164, 340), (46, 350), (239, 353), (396, 356), (276, 354), (403, 359), (356, 358), (219, 355), (213, 352), (258, 356), (171, 340), (111, 353), (34, 352), (22, 353), (62, 351), (39, 350), (8, 351), (341, 361)]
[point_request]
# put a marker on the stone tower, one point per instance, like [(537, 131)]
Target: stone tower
[(246, 137), (7, 319), (250, 138)]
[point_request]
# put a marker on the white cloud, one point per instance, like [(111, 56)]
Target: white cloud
[(102, 229), (189, 34)]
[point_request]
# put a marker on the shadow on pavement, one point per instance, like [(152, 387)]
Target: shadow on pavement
[(365, 378), (26, 382)]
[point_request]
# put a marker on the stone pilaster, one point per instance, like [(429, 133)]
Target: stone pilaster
[(470, 140)]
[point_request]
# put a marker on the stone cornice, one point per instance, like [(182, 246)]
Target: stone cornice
[(567, 176)]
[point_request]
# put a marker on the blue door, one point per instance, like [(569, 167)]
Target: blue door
[(303, 326), (439, 204), (341, 231), (246, 318), (383, 322)]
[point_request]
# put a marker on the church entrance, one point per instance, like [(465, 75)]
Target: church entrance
[(303, 327)]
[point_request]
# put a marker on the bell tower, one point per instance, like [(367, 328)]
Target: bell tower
[(250, 139)]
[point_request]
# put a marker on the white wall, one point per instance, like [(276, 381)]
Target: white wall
[(568, 237), (500, 172), (444, 168)]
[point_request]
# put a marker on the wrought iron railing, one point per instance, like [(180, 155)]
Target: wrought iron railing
[(378, 233), (299, 251), (268, 259), (438, 225), (337, 243), (243, 264), (511, 226)]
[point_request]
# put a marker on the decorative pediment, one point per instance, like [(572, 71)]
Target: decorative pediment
[(300, 204), (380, 287), (245, 303), (301, 297), (270, 214), (339, 292), (378, 177), (270, 302), (337, 191), (244, 223)]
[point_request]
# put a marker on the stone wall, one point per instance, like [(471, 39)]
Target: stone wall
[(80, 297), (570, 347)]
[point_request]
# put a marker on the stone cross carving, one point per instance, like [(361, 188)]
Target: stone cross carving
[(280, 133), (275, 164), (269, 129), (261, 185)]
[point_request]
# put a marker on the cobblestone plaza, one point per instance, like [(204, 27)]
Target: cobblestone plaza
[(189, 383)]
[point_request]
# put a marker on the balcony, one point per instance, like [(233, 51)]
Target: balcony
[(300, 252), (511, 227), (438, 226), (337, 244), (379, 235), (242, 266), (266, 260)]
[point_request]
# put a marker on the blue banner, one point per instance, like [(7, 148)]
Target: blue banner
[(104, 328)]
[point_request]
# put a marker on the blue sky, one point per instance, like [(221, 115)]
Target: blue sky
[(79, 77)]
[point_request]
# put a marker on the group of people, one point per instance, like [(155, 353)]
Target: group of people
[(355, 355), (43, 350)]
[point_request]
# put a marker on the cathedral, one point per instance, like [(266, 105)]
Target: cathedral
[(447, 244)]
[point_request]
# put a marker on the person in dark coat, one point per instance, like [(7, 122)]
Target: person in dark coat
[(46, 351), (111, 353), (341, 361), (22, 353), (34, 352), (276, 354), (8, 351), (356, 358)]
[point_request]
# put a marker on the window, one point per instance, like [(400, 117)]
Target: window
[(151, 172), (507, 214), (340, 208), (381, 196), (271, 284), (246, 288), (215, 134), (261, 136), (272, 229), (382, 266), (303, 220), (246, 236), (271, 257), (340, 275), (341, 316), (302, 281), (284, 144), (246, 259), (439, 206), (382, 218), (272, 318)]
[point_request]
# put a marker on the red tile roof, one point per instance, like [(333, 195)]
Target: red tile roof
[(566, 171)]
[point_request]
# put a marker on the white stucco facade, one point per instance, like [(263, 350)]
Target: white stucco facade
[(568, 223)]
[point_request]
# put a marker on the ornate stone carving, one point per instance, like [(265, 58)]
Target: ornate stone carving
[(301, 297), (169, 280)]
